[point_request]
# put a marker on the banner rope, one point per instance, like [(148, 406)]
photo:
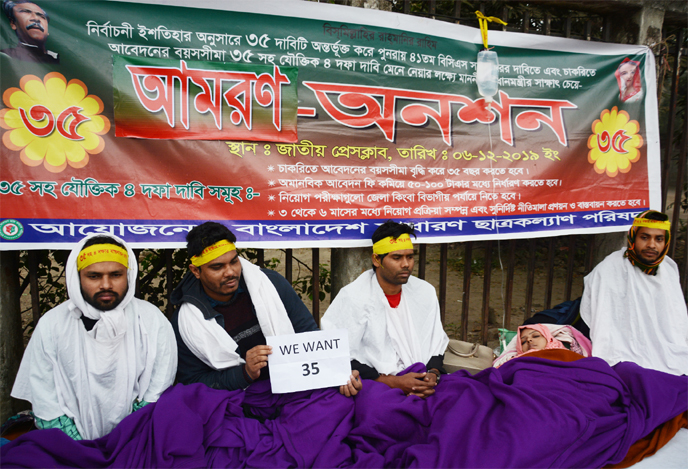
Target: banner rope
[(483, 20)]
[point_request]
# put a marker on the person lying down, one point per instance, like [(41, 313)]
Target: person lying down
[(534, 337)]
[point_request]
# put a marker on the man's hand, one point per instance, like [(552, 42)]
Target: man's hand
[(257, 358), (411, 383), (352, 386), (431, 380)]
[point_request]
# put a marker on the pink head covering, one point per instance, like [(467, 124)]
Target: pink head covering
[(637, 86), (552, 343)]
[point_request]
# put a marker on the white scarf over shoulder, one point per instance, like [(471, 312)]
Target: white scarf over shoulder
[(637, 317), (94, 376), (388, 339), (211, 343)]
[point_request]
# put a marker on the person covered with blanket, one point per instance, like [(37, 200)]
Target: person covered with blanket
[(102, 354), (534, 337), (392, 317), (633, 301), (226, 308)]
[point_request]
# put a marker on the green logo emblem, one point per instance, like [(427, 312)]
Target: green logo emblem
[(11, 229)]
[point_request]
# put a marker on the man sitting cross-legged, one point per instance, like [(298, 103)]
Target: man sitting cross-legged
[(393, 318), (227, 306), (94, 359)]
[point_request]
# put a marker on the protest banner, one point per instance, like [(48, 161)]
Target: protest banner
[(310, 360), (152, 117)]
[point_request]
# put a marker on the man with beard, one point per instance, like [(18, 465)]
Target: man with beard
[(30, 23), (393, 318), (101, 355), (227, 306), (633, 301)]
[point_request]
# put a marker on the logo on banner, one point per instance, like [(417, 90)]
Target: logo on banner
[(11, 229), (615, 143), (53, 122)]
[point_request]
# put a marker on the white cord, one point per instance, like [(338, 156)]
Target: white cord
[(499, 246)]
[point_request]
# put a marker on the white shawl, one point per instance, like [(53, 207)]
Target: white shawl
[(94, 376), (211, 343), (388, 339), (637, 317)]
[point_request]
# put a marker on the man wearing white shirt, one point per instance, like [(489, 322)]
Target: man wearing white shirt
[(633, 301), (101, 355), (393, 318)]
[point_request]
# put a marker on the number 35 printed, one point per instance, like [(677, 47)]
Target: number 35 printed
[(311, 369)]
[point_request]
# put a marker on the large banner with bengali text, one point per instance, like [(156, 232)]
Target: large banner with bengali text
[(300, 124)]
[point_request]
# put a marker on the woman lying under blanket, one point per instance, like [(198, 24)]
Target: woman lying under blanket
[(544, 336), (548, 408)]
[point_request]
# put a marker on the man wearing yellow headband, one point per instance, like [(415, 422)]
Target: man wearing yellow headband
[(633, 301), (226, 308), (393, 318), (94, 359)]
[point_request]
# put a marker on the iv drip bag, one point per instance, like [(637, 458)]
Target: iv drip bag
[(487, 75)]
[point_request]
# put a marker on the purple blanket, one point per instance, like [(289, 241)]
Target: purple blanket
[(195, 426), (531, 412)]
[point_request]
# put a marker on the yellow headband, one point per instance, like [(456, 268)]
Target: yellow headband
[(389, 244), (101, 253), (213, 252), (655, 224)]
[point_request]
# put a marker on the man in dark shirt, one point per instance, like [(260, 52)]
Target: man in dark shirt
[(30, 23), (226, 307)]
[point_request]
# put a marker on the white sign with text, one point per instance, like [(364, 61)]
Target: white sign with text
[(309, 360)]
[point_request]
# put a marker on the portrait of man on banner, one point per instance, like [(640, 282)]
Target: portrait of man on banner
[(630, 84), (30, 22)]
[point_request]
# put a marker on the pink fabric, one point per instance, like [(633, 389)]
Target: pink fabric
[(552, 343), (583, 342)]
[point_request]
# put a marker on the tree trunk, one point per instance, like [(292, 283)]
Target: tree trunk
[(347, 265), (11, 340)]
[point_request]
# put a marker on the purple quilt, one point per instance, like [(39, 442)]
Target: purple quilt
[(531, 412)]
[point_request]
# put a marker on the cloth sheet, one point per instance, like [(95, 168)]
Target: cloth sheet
[(94, 376), (196, 426), (650, 444), (531, 412), (362, 308), (637, 317), (211, 343), (672, 456), (535, 411)]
